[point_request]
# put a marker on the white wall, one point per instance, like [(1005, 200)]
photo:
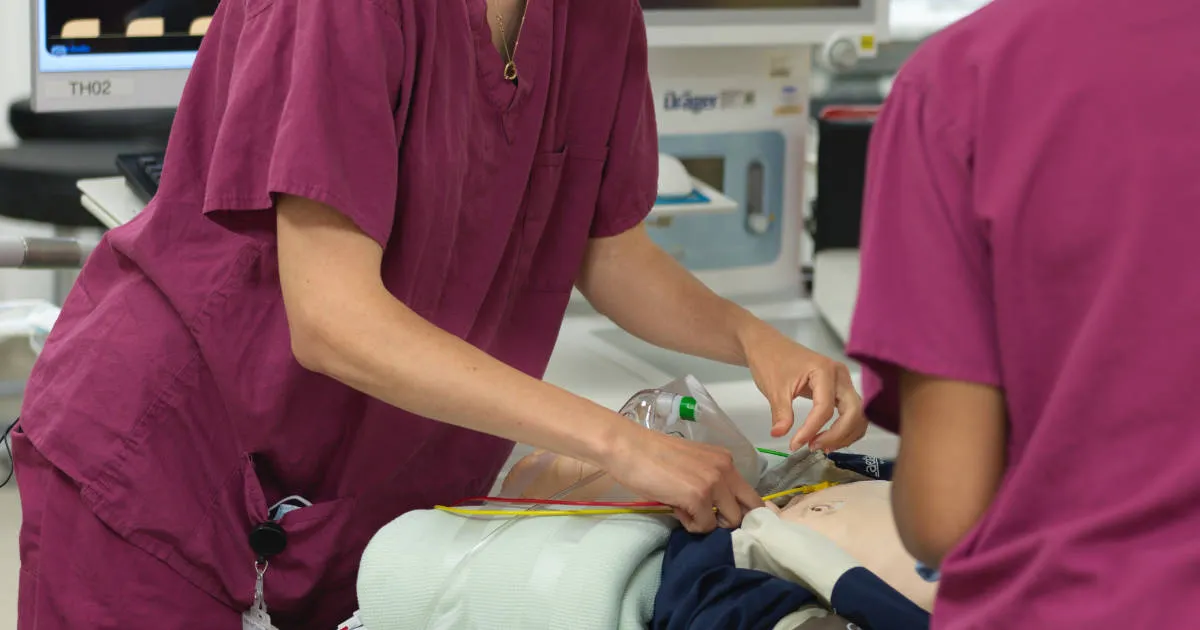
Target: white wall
[(14, 84), (14, 56)]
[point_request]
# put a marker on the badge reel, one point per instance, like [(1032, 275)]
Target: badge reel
[(267, 540)]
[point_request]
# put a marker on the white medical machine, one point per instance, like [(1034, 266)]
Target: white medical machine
[(731, 78), (834, 255)]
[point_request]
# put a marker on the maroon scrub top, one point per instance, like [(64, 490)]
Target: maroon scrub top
[(1030, 224), (168, 390)]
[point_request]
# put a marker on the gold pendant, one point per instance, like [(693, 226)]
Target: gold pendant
[(510, 71)]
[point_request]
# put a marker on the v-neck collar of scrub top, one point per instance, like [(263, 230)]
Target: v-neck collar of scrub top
[(530, 54)]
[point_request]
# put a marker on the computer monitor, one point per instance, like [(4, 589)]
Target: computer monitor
[(697, 23), (135, 54), (114, 54)]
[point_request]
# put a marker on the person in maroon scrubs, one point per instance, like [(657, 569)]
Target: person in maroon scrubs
[(347, 289)]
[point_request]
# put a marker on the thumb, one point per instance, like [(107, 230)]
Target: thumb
[(782, 415)]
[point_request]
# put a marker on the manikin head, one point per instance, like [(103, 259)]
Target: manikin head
[(856, 516)]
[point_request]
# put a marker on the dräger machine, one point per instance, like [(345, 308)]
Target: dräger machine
[(732, 81)]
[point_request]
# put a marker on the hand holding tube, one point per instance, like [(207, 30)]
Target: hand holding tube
[(691, 477)]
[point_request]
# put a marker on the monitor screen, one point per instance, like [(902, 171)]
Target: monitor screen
[(692, 23), (120, 35), (654, 5)]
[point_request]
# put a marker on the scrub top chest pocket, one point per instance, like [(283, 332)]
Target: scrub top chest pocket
[(560, 204)]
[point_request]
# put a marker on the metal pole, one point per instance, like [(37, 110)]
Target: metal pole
[(44, 253)]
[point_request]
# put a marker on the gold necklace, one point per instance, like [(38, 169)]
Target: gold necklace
[(510, 68)]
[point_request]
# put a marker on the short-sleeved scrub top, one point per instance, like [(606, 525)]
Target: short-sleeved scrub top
[(168, 390), (1030, 223)]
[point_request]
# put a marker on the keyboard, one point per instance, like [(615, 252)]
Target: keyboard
[(142, 172)]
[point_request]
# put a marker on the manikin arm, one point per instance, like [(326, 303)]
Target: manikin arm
[(793, 551)]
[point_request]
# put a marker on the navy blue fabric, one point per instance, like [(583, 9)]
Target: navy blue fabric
[(862, 598), (865, 465), (702, 589)]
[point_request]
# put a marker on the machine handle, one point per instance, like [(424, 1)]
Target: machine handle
[(44, 253)]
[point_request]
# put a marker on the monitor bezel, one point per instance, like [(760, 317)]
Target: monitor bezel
[(98, 90), (764, 27)]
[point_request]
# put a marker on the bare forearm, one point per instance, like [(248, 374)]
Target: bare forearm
[(395, 355), (950, 464), (649, 294), (930, 524), (345, 324)]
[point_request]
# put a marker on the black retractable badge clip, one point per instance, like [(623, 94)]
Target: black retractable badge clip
[(267, 540)]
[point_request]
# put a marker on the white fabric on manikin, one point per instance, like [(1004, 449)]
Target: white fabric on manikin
[(790, 551), (804, 617), (575, 572)]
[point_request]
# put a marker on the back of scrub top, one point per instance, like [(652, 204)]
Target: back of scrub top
[(1030, 223)]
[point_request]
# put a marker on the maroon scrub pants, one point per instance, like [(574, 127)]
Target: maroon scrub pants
[(76, 573)]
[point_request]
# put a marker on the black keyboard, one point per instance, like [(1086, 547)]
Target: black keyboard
[(142, 173)]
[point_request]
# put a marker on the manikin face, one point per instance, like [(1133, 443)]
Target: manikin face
[(855, 516), (858, 517)]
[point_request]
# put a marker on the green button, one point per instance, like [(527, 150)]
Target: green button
[(687, 408)]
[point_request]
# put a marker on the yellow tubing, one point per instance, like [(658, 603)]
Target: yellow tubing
[(522, 513)]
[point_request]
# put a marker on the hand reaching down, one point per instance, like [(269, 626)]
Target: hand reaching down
[(784, 370), (691, 477)]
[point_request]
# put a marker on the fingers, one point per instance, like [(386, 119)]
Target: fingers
[(701, 518), (782, 415), (823, 384), (840, 435), (701, 488), (742, 497), (685, 519), (747, 496), (699, 481), (729, 510), (719, 486), (851, 425)]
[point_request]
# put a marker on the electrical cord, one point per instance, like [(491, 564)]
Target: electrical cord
[(590, 508), (12, 466)]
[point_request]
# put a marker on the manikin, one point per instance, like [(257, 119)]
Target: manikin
[(826, 559), (856, 517)]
